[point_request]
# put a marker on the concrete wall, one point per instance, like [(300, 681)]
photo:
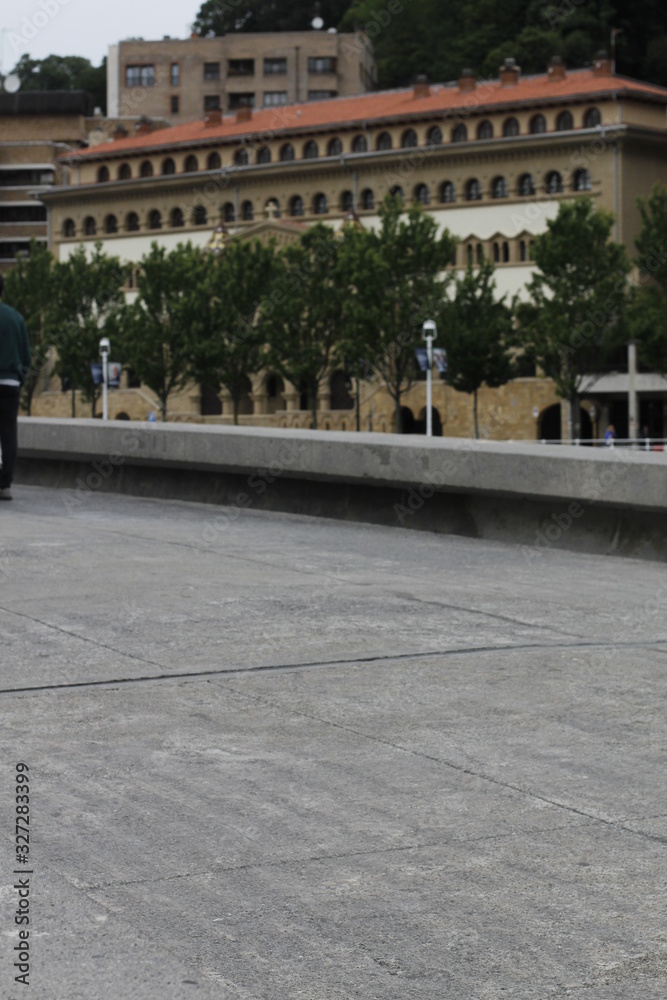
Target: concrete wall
[(603, 500)]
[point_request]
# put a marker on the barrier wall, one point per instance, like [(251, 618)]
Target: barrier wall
[(541, 496)]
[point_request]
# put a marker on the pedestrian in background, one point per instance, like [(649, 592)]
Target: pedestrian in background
[(14, 365), (610, 436)]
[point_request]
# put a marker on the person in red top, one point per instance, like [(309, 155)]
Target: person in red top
[(14, 365)]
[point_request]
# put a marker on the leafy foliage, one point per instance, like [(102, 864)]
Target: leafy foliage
[(28, 289), (64, 73), (86, 303), (302, 317), (579, 296), (648, 316), (158, 327), (478, 332), (222, 17), (224, 300), (394, 282)]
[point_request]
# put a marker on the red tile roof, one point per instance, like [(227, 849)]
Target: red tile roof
[(382, 107)]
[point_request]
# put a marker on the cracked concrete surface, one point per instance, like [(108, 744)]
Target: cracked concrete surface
[(325, 760)]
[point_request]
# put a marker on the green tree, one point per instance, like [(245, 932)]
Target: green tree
[(222, 17), (477, 332), (87, 296), (159, 326), (28, 288), (227, 345), (579, 296), (395, 282), (64, 73), (648, 314), (301, 317)]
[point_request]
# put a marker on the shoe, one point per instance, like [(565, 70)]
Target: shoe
[(6, 493)]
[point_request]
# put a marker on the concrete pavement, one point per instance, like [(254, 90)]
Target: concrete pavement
[(296, 758)]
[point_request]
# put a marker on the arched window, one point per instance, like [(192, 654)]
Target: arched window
[(335, 147), (582, 180), (287, 153), (538, 124), (526, 185), (384, 141), (496, 252), (241, 157), (470, 255), (554, 182), (154, 219), (367, 200), (111, 224), (320, 204), (360, 144), (564, 122), (102, 175), (168, 166), (311, 150), (592, 118), (146, 169), (397, 192), (485, 130), (263, 154), (199, 215), (213, 162), (459, 133), (506, 252), (89, 226), (447, 192), (228, 212), (479, 253), (296, 206), (499, 188), (69, 228), (523, 251), (132, 222), (124, 172), (176, 219), (191, 164), (473, 190), (422, 194), (346, 201), (272, 209), (247, 211), (409, 139), (435, 136), (511, 126)]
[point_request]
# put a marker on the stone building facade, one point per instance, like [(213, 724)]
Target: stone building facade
[(490, 161), (183, 79)]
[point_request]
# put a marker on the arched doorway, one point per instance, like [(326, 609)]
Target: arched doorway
[(420, 427), (340, 392), (275, 387), (549, 427), (210, 404), (407, 419)]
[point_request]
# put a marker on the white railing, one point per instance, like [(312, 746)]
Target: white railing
[(637, 444)]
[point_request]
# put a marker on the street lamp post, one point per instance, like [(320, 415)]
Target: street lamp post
[(105, 347), (429, 333)]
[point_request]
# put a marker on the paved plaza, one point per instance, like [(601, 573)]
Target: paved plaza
[(274, 757)]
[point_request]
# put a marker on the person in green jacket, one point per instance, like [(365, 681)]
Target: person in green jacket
[(14, 366)]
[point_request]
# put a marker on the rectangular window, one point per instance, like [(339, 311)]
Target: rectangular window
[(212, 102), (212, 71), (273, 97), (321, 95), (140, 76), (275, 66), (241, 67), (175, 105), (241, 101), (175, 75), (321, 64)]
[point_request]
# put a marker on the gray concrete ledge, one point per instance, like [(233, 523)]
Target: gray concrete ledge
[(597, 500)]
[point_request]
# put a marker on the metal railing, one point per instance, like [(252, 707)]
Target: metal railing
[(637, 444)]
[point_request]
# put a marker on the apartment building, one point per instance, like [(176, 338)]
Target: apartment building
[(182, 80)]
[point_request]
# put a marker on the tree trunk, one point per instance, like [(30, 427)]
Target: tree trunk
[(313, 404), (236, 403), (475, 413), (163, 408)]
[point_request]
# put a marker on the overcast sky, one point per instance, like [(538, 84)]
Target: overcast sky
[(87, 27)]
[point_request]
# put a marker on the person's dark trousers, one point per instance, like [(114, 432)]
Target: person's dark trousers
[(9, 411)]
